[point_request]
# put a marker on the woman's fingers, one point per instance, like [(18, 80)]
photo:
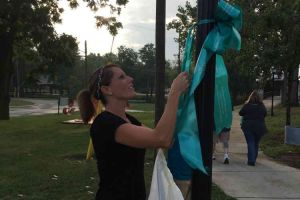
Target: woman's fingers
[(180, 83)]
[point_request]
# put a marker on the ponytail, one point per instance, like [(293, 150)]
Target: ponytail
[(86, 107)]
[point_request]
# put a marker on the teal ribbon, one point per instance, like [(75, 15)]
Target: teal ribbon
[(223, 36)]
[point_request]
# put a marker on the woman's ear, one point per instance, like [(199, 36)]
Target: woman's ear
[(106, 90), (94, 101)]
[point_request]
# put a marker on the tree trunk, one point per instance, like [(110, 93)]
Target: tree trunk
[(5, 75), (294, 87)]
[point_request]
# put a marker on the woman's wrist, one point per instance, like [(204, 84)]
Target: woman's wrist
[(174, 93)]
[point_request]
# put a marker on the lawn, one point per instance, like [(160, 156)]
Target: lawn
[(42, 158), (273, 142)]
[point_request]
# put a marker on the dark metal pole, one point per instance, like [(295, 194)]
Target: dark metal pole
[(160, 58), (85, 58), (204, 98), (288, 100), (272, 113)]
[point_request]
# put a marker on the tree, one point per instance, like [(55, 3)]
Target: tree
[(186, 18), (32, 20), (127, 59), (147, 57), (21, 20), (277, 41), (112, 24), (109, 58), (60, 55), (94, 61), (270, 37)]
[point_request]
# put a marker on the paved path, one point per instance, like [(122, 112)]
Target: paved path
[(41, 107), (267, 180)]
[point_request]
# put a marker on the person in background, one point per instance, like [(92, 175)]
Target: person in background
[(119, 139), (224, 138), (70, 109), (253, 124)]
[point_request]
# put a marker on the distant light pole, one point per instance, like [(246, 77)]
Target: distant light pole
[(273, 70), (257, 83), (85, 63)]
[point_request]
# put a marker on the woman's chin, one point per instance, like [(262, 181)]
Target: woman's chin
[(133, 95)]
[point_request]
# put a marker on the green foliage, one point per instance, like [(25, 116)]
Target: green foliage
[(111, 22), (147, 57), (270, 37), (28, 22), (109, 58), (127, 57), (186, 17), (28, 26), (140, 65)]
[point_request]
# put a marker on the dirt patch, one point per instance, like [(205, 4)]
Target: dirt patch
[(291, 159)]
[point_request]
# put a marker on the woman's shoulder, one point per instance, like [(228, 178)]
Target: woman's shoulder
[(133, 120), (110, 118), (107, 118), (102, 116)]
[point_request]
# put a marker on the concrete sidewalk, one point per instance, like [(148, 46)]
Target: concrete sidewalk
[(267, 180)]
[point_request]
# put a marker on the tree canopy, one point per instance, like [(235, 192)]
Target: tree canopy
[(270, 38), (31, 23)]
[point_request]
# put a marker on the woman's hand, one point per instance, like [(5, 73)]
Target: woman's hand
[(180, 83)]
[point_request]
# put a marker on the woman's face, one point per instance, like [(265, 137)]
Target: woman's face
[(121, 85)]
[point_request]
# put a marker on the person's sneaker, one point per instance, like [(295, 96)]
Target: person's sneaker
[(226, 159), (214, 157), (251, 163)]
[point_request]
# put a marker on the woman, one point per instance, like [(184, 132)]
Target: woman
[(253, 124), (119, 139)]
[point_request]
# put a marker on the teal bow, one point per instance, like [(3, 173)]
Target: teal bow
[(223, 36)]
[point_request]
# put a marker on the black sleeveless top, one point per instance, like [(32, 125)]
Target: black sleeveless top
[(120, 167)]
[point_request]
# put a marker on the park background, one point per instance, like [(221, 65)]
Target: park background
[(38, 61)]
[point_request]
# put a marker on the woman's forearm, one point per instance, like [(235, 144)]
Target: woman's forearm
[(166, 125)]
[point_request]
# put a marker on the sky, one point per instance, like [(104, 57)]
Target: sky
[(138, 19)]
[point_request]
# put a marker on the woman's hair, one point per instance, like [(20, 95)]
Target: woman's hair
[(101, 77), (254, 98)]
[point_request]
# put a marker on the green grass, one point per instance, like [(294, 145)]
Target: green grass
[(34, 150), (42, 158), (142, 106), (273, 142)]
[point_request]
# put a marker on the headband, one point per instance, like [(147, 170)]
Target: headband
[(99, 82)]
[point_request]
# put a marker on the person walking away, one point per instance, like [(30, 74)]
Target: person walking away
[(119, 139), (223, 137), (253, 124)]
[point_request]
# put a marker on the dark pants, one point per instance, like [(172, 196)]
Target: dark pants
[(252, 139)]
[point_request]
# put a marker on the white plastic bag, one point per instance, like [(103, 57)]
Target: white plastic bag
[(163, 186)]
